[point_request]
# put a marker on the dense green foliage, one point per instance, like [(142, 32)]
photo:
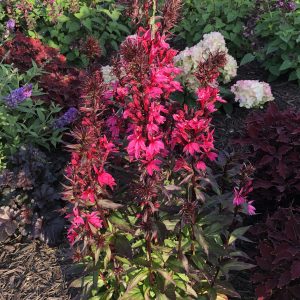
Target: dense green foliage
[(31, 122), (67, 24), (227, 17)]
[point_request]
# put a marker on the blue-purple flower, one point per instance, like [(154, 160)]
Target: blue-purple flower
[(67, 118), (10, 24), (17, 96), (286, 5)]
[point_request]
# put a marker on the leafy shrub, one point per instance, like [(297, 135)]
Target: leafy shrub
[(273, 137), (66, 24), (59, 82), (154, 232), (226, 17), (278, 273), (276, 39), (22, 120), (29, 191)]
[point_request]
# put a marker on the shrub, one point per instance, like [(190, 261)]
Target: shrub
[(278, 261), (275, 38), (226, 17), (59, 82), (273, 137), (29, 190), (66, 24), (22, 120), (152, 232)]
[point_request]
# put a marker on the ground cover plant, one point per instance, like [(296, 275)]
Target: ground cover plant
[(141, 139)]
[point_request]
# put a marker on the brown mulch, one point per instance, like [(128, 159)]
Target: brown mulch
[(33, 271)]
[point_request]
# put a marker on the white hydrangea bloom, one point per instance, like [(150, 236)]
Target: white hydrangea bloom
[(230, 69), (213, 42), (189, 59), (252, 93), (108, 76)]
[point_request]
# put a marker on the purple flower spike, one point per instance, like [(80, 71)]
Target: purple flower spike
[(10, 24), (67, 118), (18, 95)]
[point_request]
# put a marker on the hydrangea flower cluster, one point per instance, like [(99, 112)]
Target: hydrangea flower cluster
[(189, 59), (252, 93), (108, 75), (67, 118), (18, 95)]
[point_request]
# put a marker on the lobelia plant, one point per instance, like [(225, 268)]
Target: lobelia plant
[(159, 231)]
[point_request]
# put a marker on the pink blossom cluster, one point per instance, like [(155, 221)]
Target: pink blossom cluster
[(241, 197), (144, 93)]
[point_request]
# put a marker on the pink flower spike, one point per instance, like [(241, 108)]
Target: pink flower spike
[(106, 179), (153, 166), (251, 209), (72, 235), (201, 166), (94, 220), (88, 194), (191, 148), (238, 197)]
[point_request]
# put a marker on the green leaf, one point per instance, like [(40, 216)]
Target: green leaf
[(63, 19), (123, 247), (199, 235), (141, 275), (249, 57), (83, 13), (73, 26), (236, 266), (227, 289), (88, 24), (228, 108), (286, 65), (237, 233)]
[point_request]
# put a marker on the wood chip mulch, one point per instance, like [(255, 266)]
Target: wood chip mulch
[(33, 271)]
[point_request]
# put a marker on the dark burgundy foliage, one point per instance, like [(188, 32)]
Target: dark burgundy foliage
[(59, 82), (278, 273), (30, 196), (273, 138)]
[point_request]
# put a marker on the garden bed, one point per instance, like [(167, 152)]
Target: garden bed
[(143, 157)]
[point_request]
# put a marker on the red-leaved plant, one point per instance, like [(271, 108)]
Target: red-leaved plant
[(274, 141), (59, 82), (152, 226), (278, 274)]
